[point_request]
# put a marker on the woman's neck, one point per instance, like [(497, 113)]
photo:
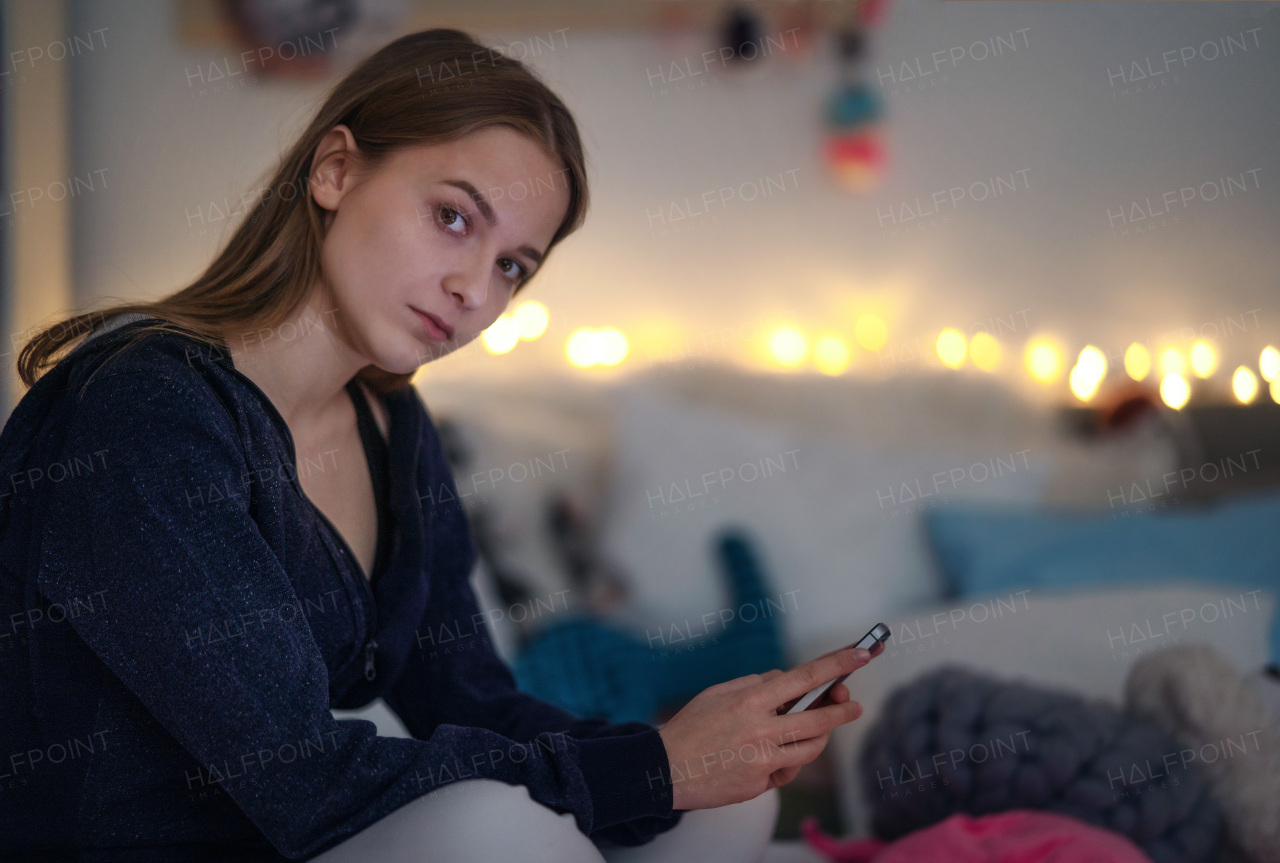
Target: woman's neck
[(302, 365)]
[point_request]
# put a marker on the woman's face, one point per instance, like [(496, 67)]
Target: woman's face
[(444, 230)]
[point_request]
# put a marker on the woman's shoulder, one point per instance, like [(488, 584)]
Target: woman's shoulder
[(139, 345), (136, 373), (121, 398)]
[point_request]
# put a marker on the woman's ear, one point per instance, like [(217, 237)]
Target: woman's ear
[(333, 167)]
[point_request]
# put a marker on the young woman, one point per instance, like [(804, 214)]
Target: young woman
[(222, 516)]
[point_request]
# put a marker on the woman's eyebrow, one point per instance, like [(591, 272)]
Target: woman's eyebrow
[(490, 216)]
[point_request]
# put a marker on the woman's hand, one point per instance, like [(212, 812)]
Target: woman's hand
[(731, 744)]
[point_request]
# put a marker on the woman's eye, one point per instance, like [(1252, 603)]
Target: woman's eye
[(517, 275), (450, 217)]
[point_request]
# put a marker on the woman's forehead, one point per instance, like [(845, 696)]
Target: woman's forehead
[(496, 152)]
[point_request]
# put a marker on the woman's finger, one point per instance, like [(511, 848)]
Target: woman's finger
[(799, 680), (783, 775), (743, 682), (800, 752)]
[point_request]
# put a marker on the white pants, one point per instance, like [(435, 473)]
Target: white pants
[(487, 821)]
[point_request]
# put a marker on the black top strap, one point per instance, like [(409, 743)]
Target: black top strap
[(379, 457)]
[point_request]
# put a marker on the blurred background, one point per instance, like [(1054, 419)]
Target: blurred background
[(1025, 153), (957, 315)]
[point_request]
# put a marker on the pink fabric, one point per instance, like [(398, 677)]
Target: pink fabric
[(1020, 836)]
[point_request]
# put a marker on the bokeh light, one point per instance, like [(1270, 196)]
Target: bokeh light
[(589, 347), (831, 355), (1087, 375), (1044, 359), (788, 346), (1204, 359), (1137, 362), (1269, 363), (531, 319), (501, 335), (871, 332), (951, 348), (1172, 363), (1175, 391), (1244, 383), (985, 350)]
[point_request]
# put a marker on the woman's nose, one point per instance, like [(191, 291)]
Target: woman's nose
[(469, 284)]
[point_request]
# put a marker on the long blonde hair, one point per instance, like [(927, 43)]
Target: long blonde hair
[(428, 87)]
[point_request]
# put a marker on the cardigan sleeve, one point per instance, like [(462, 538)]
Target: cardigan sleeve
[(453, 675), (170, 569)]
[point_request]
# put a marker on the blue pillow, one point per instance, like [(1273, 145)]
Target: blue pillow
[(982, 550)]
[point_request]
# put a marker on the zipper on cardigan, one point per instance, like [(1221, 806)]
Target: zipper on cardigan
[(370, 603), (369, 672)]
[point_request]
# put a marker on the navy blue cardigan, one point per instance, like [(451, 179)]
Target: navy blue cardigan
[(177, 619)]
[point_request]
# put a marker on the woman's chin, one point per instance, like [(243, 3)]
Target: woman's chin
[(401, 366), (409, 361)]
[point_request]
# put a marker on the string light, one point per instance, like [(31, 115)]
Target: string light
[(589, 347), (1175, 391), (1094, 361), (1090, 369), (581, 348), (1244, 383), (611, 346), (788, 346), (1204, 359), (1137, 362), (870, 332), (1043, 360), (831, 355), (1172, 363), (501, 335), (1082, 385), (951, 348), (986, 351), (1269, 363), (531, 318)]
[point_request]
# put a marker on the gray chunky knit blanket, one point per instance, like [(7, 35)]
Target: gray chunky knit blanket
[(956, 741)]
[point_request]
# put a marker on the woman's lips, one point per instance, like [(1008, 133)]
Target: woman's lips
[(436, 328)]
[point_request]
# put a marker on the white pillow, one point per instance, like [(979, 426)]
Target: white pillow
[(836, 526), (525, 445)]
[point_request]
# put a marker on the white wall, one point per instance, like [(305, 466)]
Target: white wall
[(1047, 253)]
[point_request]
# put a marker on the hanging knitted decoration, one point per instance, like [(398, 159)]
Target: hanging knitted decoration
[(853, 147)]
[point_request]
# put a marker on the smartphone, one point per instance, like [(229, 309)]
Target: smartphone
[(872, 641)]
